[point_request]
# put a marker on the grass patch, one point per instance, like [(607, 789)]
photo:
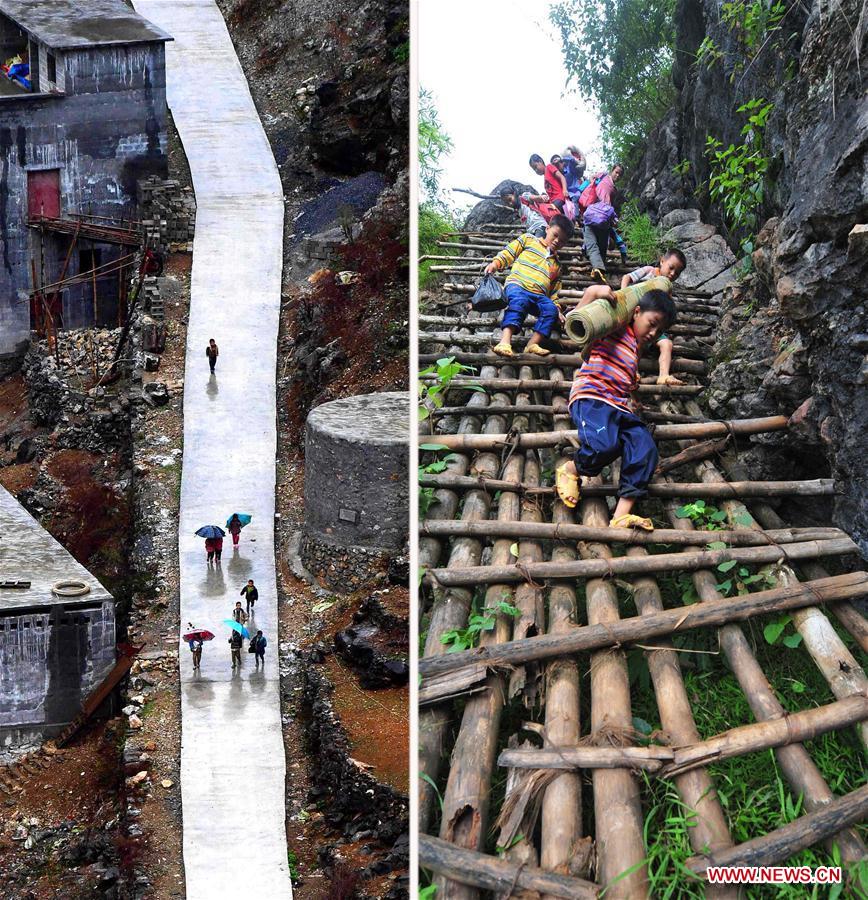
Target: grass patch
[(644, 238)]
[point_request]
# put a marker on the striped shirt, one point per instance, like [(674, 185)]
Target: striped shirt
[(534, 266), (611, 372)]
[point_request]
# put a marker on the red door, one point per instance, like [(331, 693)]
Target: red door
[(43, 194)]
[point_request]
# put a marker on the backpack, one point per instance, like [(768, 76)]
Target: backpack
[(589, 195)]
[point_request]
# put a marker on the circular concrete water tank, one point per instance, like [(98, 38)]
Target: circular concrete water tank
[(356, 487)]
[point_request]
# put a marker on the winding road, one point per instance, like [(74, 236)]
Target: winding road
[(232, 753)]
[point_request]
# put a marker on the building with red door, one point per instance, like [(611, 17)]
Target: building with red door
[(82, 119)]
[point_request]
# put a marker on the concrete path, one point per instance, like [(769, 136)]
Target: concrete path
[(232, 754)]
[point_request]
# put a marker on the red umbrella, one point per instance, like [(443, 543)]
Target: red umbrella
[(200, 634)]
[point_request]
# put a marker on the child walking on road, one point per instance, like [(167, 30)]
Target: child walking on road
[(259, 643), (532, 285), (235, 644), (251, 594), (235, 527), (212, 352), (604, 413)]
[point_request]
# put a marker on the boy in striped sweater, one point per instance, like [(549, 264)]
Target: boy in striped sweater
[(604, 412), (532, 285)]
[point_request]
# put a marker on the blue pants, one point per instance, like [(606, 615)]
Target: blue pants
[(523, 303), (605, 433)]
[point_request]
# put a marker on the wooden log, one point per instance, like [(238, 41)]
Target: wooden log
[(661, 433), (449, 612), (619, 836), (845, 612), (490, 873), (468, 789), (690, 299), (688, 561), (819, 487), (783, 842), (649, 415), (668, 762), (486, 321), (642, 628), (798, 768), (561, 813), (691, 454), (532, 384), (709, 828), (690, 366), (567, 531)]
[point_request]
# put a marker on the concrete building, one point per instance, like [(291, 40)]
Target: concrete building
[(53, 650), (75, 144)]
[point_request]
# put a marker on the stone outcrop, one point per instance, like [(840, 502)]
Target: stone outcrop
[(794, 335)]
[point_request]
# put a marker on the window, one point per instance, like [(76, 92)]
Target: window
[(52, 67)]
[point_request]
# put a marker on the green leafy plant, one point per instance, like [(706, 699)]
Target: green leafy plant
[(708, 53), (426, 494), (774, 633), (706, 517), (741, 579), (737, 180), (292, 862), (643, 237), (433, 394), (753, 22), (501, 851), (401, 53), (681, 169), (465, 638), (428, 892)]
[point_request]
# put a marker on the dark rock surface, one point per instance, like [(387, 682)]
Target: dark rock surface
[(790, 336), (487, 211)]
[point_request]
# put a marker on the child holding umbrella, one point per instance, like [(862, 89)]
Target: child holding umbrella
[(235, 523)]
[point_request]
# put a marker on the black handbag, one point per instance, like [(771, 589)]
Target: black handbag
[(489, 295)]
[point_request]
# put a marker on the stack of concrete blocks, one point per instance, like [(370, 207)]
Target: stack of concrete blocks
[(169, 213)]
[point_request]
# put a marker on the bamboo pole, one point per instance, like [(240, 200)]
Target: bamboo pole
[(489, 873), (836, 663), (649, 415), (674, 761), (565, 531), (799, 769), (708, 826), (714, 612), (468, 788), (617, 803), (845, 612), (783, 842), (486, 320), (561, 813), (819, 487), (690, 366), (692, 454), (449, 611), (688, 561), (529, 384), (661, 433)]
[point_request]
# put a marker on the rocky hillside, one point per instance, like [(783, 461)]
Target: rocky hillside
[(795, 334)]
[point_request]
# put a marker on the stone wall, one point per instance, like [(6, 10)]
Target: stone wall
[(168, 214), (107, 132), (50, 660)]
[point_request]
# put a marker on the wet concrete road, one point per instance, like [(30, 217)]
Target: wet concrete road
[(232, 755)]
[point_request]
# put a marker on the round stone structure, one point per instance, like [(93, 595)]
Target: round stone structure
[(356, 487)]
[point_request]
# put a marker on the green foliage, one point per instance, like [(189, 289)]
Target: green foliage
[(433, 143), (737, 181), (753, 22), (434, 222), (618, 55), (401, 53), (433, 394), (292, 862), (428, 892), (435, 213), (644, 239), (774, 633), (465, 638), (708, 53), (681, 169), (702, 515), (426, 494)]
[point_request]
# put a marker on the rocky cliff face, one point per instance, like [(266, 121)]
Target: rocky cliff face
[(795, 332)]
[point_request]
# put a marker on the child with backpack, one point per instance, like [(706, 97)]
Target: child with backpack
[(555, 183), (599, 218), (672, 263), (532, 285), (603, 411)]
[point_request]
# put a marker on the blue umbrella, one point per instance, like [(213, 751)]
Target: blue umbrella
[(237, 626), (210, 531), (243, 518)]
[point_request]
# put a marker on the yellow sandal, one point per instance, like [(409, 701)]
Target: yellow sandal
[(535, 348), (567, 486), (503, 349), (632, 521)]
